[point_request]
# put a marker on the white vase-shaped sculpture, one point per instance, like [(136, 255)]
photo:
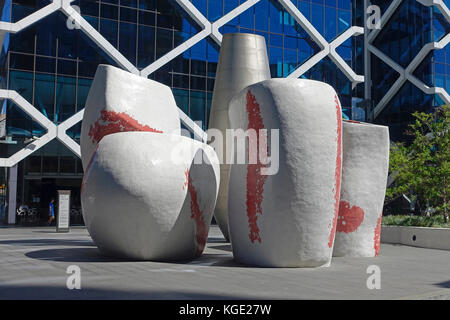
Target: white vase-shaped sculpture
[(364, 177), (120, 101), (144, 198), (243, 61), (288, 218)]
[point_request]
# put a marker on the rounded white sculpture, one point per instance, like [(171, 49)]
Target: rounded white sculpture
[(121, 101), (243, 61), (364, 177), (144, 198), (287, 219)]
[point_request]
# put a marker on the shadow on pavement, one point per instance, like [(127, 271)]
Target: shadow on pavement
[(226, 247), (445, 284), (72, 255), (16, 292), (48, 242), (94, 255), (216, 240)]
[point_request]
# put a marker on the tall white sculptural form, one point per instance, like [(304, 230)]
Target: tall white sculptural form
[(287, 219), (364, 179), (144, 198), (120, 101), (243, 61), (148, 193)]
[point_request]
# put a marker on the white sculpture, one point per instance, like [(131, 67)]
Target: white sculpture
[(364, 178), (144, 198), (243, 61), (121, 101), (287, 219)]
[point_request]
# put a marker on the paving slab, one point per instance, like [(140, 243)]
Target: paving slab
[(34, 262)]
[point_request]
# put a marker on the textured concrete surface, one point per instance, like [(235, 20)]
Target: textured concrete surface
[(284, 213), (166, 193), (33, 263)]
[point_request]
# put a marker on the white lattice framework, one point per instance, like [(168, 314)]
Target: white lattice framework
[(406, 74), (208, 29)]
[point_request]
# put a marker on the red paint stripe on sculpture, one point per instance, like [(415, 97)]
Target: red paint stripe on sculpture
[(352, 121), (196, 214), (87, 168), (337, 174), (377, 237), (255, 181), (350, 218), (112, 122)]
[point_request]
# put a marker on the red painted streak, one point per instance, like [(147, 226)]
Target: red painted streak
[(197, 215), (352, 121), (337, 173), (376, 239), (255, 181), (87, 168), (112, 122), (350, 218)]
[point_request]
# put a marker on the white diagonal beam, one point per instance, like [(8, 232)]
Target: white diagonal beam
[(95, 36), (384, 19), (30, 19), (209, 29), (37, 116), (62, 132), (326, 48), (304, 23), (311, 62), (337, 59), (330, 50), (407, 73), (174, 53), (188, 122), (215, 34)]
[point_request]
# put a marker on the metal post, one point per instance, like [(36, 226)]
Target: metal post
[(12, 194), (367, 66)]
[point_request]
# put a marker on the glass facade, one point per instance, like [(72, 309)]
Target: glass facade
[(411, 27), (51, 64)]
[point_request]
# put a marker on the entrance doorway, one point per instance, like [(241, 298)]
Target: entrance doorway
[(38, 191)]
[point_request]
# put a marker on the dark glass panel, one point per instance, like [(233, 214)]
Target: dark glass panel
[(129, 15), (147, 18), (127, 41), (50, 164), (44, 94), (45, 64), (33, 164), (146, 46), (109, 11), (21, 61), (198, 83), (83, 90), (65, 98), (197, 106), (108, 29), (163, 42), (89, 7), (67, 67), (22, 82), (182, 99), (67, 164), (23, 41), (180, 81)]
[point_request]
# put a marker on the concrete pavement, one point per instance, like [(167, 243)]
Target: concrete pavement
[(33, 264)]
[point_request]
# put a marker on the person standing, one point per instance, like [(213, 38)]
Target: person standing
[(51, 211)]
